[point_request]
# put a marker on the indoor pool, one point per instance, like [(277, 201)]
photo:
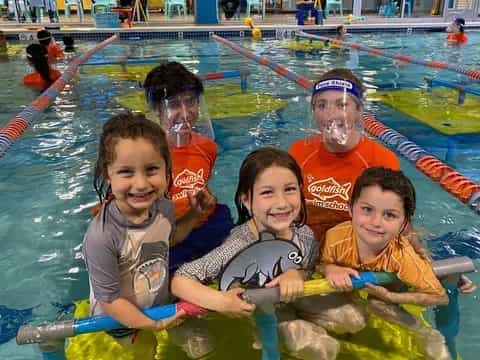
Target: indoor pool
[(46, 177)]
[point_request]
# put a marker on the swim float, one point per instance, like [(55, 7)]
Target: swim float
[(438, 108), (223, 100), (380, 340)]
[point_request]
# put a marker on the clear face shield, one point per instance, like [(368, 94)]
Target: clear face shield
[(185, 120), (336, 114)]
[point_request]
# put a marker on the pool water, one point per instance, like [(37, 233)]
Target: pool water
[(46, 177)]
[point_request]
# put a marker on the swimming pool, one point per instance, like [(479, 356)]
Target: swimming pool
[(46, 177)]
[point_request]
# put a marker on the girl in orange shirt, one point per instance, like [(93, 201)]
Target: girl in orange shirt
[(44, 75), (457, 32)]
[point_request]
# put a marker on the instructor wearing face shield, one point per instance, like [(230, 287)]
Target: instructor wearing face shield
[(337, 151), (175, 95)]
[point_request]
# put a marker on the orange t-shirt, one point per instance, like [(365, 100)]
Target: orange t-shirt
[(459, 38), (192, 168), (54, 53), (341, 248), (329, 177), (35, 80)]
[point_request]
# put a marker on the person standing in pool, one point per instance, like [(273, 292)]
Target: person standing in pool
[(44, 75), (457, 32), (176, 96), (54, 52)]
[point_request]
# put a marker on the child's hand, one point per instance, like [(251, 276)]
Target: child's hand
[(339, 276), (233, 305), (201, 201), (465, 285), (380, 292), (172, 321), (291, 285)]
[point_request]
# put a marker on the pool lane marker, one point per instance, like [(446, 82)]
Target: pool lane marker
[(463, 188), (471, 73), (10, 133)]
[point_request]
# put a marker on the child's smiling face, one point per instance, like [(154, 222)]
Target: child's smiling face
[(275, 202), (378, 217), (137, 176)]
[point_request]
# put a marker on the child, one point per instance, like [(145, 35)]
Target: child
[(382, 205), (54, 52), (457, 34), (44, 75), (268, 198), (176, 96), (126, 245), (69, 42), (340, 32)]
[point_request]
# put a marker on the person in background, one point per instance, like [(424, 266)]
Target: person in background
[(306, 8), (229, 7), (55, 54), (340, 32), (69, 44), (457, 32), (44, 75)]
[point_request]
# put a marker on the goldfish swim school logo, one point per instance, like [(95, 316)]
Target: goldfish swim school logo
[(188, 179), (328, 189)]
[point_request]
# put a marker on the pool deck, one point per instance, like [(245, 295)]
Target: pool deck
[(158, 23)]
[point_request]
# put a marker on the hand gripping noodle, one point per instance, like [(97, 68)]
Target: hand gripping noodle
[(336, 113), (183, 117)]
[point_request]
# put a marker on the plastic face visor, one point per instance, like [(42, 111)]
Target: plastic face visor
[(337, 114), (183, 115)]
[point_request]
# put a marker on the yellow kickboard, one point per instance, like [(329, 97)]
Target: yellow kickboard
[(223, 101), (120, 72), (380, 340), (437, 109), (303, 45)]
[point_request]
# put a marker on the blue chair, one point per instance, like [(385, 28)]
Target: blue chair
[(331, 4), (255, 3), (179, 4), (408, 8), (388, 10), (104, 5), (77, 4)]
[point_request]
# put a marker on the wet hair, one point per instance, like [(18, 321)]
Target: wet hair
[(388, 180), (253, 165), (44, 37), (37, 55), (339, 29), (127, 125), (168, 80), (68, 42), (460, 22)]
